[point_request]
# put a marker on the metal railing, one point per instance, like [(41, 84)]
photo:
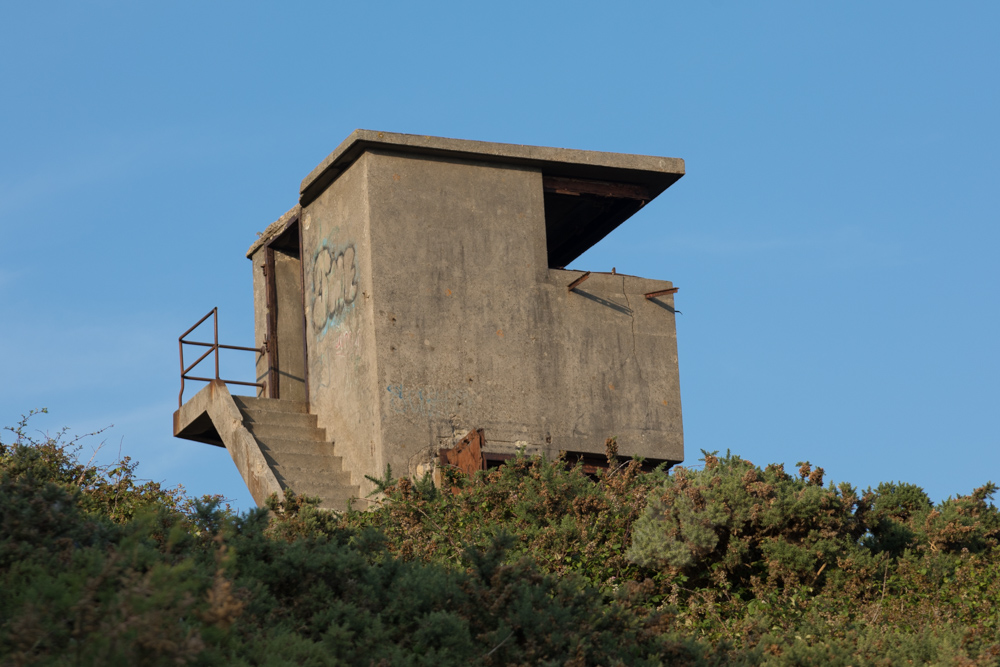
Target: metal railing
[(214, 346)]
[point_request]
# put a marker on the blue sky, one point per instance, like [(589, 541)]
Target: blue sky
[(834, 239)]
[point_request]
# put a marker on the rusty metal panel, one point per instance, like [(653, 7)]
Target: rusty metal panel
[(467, 455)]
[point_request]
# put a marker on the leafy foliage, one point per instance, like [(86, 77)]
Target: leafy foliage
[(178, 581), (534, 562), (752, 565)]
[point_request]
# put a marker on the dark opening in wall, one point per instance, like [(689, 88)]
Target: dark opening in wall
[(285, 343), (580, 212)]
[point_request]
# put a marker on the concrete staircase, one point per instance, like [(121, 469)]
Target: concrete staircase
[(296, 450)]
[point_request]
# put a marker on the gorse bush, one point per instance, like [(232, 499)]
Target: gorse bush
[(748, 530), (179, 581), (534, 562), (736, 563), (556, 515)]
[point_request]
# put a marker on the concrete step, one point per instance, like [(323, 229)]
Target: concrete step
[(296, 450), (270, 404), (267, 432), (273, 418), (279, 446), (298, 478), (308, 463)]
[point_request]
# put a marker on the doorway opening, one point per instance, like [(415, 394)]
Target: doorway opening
[(286, 321)]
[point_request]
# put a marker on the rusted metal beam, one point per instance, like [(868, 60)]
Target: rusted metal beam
[(207, 352), (212, 347), (198, 323), (662, 292), (215, 328), (238, 347), (246, 384), (180, 347), (180, 396), (192, 377), (271, 286), (579, 186), (573, 285)]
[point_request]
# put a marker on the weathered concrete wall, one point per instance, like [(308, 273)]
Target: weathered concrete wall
[(339, 321), (459, 250), (616, 362), (259, 315), (472, 328)]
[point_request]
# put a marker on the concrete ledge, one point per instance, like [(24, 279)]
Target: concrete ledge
[(274, 229), (211, 416), (656, 173)]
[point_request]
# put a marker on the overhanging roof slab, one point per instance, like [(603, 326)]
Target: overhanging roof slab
[(655, 173), (587, 193)]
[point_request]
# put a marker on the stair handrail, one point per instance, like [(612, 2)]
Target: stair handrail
[(212, 347)]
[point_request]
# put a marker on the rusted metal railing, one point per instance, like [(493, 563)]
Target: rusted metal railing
[(212, 347)]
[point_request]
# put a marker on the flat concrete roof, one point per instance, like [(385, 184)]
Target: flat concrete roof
[(655, 174)]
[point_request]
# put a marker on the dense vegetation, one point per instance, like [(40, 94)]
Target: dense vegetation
[(534, 562)]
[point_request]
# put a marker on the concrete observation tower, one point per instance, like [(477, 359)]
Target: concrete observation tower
[(412, 309)]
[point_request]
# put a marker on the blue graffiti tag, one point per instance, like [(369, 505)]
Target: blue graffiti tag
[(424, 401)]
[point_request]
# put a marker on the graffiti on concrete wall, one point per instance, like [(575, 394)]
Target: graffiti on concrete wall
[(334, 286), (347, 344), (424, 401)]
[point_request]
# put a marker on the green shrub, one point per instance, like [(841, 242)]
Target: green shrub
[(180, 581), (742, 528), (534, 562)]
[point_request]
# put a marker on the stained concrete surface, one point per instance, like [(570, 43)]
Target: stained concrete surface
[(432, 305)]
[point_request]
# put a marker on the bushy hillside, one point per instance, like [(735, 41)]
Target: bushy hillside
[(530, 563)]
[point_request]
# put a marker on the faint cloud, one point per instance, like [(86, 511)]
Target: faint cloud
[(139, 415), (843, 247), (8, 278), (114, 158), (82, 171), (726, 245), (56, 356), (852, 247)]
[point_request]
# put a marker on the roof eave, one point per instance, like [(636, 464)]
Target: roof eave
[(655, 173)]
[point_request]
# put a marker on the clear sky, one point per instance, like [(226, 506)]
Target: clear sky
[(835, 239)]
